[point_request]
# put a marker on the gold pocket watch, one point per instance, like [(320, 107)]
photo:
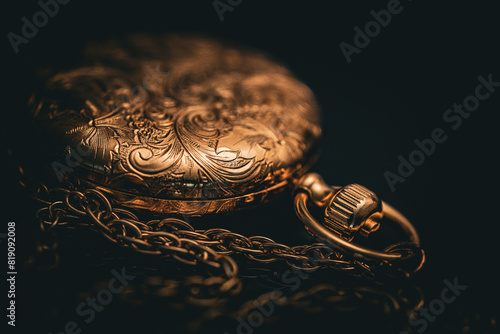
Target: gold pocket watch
[(177, 126)]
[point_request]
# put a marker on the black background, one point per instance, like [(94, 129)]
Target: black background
[(393, 92)]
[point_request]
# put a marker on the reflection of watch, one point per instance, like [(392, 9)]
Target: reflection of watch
[(179, 126)]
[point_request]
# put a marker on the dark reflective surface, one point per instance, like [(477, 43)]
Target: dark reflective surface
[(396, 90)]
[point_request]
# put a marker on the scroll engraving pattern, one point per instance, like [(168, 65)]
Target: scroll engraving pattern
[(216, 117)]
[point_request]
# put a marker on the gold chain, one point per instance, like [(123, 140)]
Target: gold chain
[(177, 239)]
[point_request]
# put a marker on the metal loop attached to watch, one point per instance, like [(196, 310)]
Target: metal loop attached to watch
[(349, 210)]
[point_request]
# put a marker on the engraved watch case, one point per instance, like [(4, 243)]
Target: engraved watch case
[(179, 124)]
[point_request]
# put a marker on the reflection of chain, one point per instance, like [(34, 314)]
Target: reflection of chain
[(278, 304)]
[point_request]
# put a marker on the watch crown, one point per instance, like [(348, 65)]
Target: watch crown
[(353, 209)]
